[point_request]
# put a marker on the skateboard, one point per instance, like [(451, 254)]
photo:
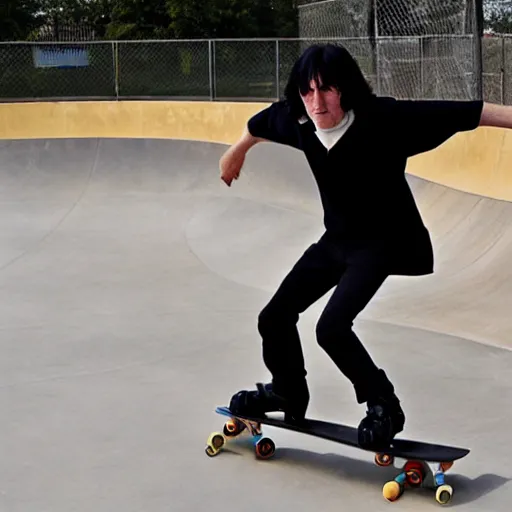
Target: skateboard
[(421, 464)]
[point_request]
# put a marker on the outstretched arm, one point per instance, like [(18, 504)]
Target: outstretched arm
[(233, 159), (499, 116), (272, 124)]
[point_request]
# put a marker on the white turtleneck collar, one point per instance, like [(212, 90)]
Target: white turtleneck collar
[(330, 136)]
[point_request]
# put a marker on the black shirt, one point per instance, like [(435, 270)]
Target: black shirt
[(361, 179)]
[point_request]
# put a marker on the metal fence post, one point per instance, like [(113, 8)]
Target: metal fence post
[(477, 61), (376, 35), (211, 65), (115, 64), (502, 69), (422, 67), (278, 74), (210, 68)]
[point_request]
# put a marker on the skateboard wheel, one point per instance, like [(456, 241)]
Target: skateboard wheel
[(233, 428), (215, 443), (414, 473), (383, 459), (210, 451), (444, 494), (414, 478), (392, 490), (446, 466), (265, 448)]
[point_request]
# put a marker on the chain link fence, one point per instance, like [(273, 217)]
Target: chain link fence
[(497, 69), (247, 70)]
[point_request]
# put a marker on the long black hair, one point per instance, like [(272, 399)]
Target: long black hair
[(334, 67)]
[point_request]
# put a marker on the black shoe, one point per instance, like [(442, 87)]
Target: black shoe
[(384, 419), (264, 399)]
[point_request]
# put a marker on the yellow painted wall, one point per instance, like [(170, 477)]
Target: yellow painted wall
[(208, 121), (479, 161)]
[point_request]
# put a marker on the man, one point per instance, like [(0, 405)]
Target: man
[(357, 145)]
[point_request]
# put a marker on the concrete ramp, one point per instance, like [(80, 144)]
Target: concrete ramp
[(131, 279), (471, 291)]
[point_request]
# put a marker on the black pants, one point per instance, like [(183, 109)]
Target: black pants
[(356, 273)]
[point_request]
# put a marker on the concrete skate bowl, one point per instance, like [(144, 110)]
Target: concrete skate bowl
[(131, 279)]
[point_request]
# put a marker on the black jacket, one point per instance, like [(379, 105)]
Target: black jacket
[(365, 196)]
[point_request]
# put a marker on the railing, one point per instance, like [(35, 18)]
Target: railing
[(247, 69)]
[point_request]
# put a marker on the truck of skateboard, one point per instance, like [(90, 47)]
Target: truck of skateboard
[(420, 464)]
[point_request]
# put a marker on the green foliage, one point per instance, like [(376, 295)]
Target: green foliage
[(154, 19), (17, 19), (499, 16)]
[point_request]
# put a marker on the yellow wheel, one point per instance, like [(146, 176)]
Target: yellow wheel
[(265, 448), (215, 443), (383, 459), (392, 490), (210, 451), (444, 494)]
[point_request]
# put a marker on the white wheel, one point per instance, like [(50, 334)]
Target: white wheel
[(214, 444), (444, 494)]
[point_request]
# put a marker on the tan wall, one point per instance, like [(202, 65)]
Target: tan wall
[(477, 161), (209, 121)]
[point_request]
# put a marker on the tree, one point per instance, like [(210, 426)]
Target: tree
[(498, 16), (17, 19), (138, 19), (148, 19), (68, 19), (233, 18)]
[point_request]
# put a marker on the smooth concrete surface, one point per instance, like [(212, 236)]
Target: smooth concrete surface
[(131, 279)]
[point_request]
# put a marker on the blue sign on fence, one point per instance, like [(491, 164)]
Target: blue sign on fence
[(60, 57)]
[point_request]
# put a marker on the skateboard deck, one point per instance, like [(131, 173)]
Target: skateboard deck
[(423, 464)]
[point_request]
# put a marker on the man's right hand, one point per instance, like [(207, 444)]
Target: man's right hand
[(231, 164), (233, 159)]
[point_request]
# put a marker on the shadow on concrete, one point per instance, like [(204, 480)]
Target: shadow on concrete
[(466, 490), (469, 490)]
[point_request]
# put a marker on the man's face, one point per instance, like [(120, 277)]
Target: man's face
[(323, 105)]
